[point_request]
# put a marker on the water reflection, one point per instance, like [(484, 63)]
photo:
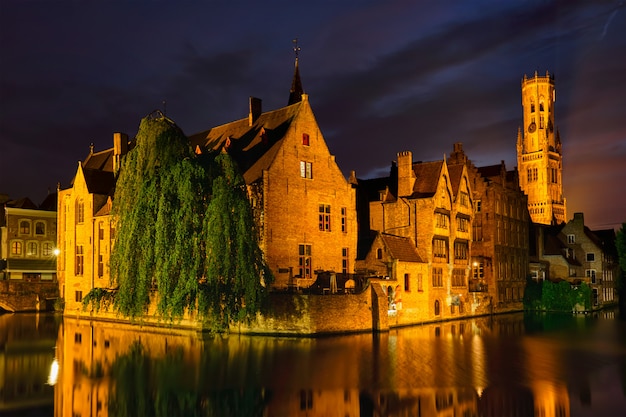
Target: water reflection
[(493, 366)]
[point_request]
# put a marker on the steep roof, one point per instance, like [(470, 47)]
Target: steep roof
[(400, 248), (426, 178), (253, 146), (99, 182), (456, 172), (296, 91), (102, 161)]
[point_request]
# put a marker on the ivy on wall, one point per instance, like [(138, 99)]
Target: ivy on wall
[(185, 233), (561, 296)]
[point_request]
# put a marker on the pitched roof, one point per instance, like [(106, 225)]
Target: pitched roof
[(490, 170), (253, 146), (102, 160), (400, 248), (455, 171), (426, 178), (23, 203), (99, 182)]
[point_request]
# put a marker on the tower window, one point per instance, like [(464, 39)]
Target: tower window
[(532, 107)]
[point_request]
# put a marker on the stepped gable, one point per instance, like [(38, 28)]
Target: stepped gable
[(252, 145), (400, 248), (426, 178)]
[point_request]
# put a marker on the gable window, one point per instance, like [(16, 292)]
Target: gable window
[(571, 239), (591, 257), (462, 224), (464, 199), (324, 218), (80, 211), (379, 253), (306, 169), (305, 139), (40, 228), (304, 261), (16, 247), (24, 227)]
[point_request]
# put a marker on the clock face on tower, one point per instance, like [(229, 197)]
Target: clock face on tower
[(532, 127)]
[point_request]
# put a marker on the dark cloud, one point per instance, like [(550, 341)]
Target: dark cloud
[(382, 77)]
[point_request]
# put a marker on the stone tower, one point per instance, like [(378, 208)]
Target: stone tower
[(539, 158)]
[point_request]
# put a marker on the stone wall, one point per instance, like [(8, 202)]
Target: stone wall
[(16, 296)]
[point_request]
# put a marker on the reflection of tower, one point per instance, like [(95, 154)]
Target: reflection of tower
[(539, 159)]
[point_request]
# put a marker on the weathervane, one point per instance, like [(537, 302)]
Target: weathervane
[(296, 48)]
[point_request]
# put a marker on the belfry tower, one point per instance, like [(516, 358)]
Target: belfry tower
[(539, 158)]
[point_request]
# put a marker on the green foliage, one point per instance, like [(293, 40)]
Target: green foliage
[(185, 232), (98, 298), (561, 296)]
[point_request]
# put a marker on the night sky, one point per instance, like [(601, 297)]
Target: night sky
[(382, 77)]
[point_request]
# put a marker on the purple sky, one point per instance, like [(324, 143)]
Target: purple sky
[(382, 77)]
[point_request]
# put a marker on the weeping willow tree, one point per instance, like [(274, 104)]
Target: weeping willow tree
[(185, 232)]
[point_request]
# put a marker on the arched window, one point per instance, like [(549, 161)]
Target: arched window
[(32, 248), (532, 106), (24, 227), (437, 308), (47, 249), (16, 247), (379, 253), (40, 228), (80, 211), (541, 105)]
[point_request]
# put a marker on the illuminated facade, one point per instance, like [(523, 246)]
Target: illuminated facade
[(539, 157)]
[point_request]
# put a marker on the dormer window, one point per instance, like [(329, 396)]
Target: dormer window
[(305, 139)]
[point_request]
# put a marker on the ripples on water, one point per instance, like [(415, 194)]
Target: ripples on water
[(516, 364)]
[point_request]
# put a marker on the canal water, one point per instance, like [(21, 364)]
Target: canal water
[(502, 365)]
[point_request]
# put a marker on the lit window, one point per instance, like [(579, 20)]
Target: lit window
[(25, 227), (571, 239), (306, 169), (16, 247)]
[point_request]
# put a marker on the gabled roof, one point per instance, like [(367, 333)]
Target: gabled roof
[(490, 170), (400, 248), (102, 161), (99, 182), (255, 146), (427, 176), (456, 172), (23, 203), (49, 203)]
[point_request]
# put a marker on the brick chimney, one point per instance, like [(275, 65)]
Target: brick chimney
[(120, 148), (256, 109), (406, 175)]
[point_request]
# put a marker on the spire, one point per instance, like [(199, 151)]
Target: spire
[(295, 94)]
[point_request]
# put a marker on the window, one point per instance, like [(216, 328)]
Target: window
[(78, 296), (419, 283), (345, 264), (462, 224), (591, 273), (47, 249), (437, 308), (306, 170), (571, 239), (24, 227), (344, 220), (478, 206), (541, 106), (379, 253), (101, 231), (458, 277), (440, 249), (100, 266), (437, 277), (304, 262), (591, 257), (40, 228), (442, 220), (16, 247), (460, 250), (305, 139), (32, 249), (541, 122), (306, 399), (464, 199), (407, 283), (80, 212), (79, 260), (324, 218), (478, 270)]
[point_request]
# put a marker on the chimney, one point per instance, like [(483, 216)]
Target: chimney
[(256, 109), (406, 175), (120, 148)]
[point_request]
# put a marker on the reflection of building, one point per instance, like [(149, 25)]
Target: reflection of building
[(574, 253), (499, 233), (539, 158)]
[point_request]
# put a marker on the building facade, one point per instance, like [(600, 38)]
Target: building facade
[(28, 240), (539, 154)]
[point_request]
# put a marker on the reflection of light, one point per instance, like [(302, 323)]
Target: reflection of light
[(54, 372), (479, 390), (56, 251)]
